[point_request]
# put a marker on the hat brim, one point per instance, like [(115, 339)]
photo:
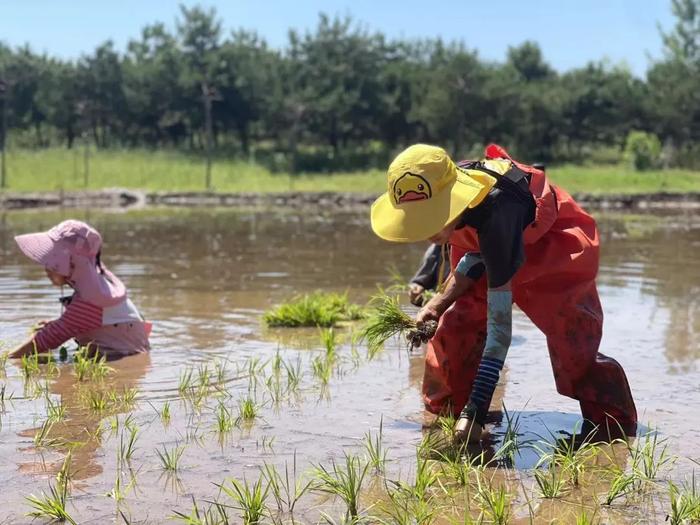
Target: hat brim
[(419, 220), (37, 246)]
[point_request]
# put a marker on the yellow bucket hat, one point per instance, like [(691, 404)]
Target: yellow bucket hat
[(426, 192)]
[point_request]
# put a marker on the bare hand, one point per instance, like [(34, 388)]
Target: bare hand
[(39, 325), (427, 313), (415, 294)]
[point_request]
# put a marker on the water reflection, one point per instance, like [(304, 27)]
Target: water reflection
[(81, 429), (663, 255)]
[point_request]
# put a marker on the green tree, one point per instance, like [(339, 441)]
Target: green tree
[(102, 101), (152, 70)]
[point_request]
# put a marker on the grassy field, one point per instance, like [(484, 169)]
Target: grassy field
[(57, 169)]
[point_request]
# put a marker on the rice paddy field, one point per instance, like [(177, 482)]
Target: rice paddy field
[(237, 417)]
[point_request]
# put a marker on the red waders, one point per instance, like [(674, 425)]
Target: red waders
[(556, 289)]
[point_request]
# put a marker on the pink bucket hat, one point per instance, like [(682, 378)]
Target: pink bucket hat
[(70, 249)]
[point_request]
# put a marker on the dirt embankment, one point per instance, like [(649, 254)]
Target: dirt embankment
[(121, 198)]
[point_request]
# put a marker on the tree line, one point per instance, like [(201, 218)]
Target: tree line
[(344, 96)]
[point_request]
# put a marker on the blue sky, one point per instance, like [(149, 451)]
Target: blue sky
[(570, 32)]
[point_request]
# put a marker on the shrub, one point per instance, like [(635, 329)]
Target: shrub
[(642, 150)]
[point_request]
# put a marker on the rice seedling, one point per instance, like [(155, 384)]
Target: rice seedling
[(126, 399), (214, 514), (316, 309), (34, 388), (224, 419), (294, 375), (287, 490), (388, 320), (573, 455), (447, 423), (170, 459), (621, 485), (329, 342), (584, 519), (204, 376), (685, 503), (494, 502), (95, 400), (186, 381), (118, 492), (426, 477), (197, 395), (405, 509), (3, 362), (275, 388), (511, 443), (51, 505), (322, 369), (88, 367), (248, 410), (29, 365), (4, 396), (344, 482), (276, 364), (256, 368), (550, 482), (55, 410), (165, 413), (249, 499), (376, 453), (127, 446), (220, 372), (65, 474), (458, 466), (649, 456), (42, 436)]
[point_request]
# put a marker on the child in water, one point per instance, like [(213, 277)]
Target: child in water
[(99, 314)]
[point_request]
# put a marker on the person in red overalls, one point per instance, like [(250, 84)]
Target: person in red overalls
[(514, 238)]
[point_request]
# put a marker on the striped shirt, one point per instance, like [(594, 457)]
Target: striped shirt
[(116, 330)]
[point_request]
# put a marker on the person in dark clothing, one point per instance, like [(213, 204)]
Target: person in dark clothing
[(436, 259)]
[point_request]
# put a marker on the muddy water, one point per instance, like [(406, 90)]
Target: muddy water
[(205, 276)]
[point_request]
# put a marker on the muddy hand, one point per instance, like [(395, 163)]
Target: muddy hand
[(467, 431), (422, 334)]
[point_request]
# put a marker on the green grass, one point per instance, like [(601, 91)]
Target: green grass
[(56, 168), (622, 179), (316, 309)]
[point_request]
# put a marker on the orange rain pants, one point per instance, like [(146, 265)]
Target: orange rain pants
[(556, 289)]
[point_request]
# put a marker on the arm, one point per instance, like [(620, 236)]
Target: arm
[(499, 327), (469, 269), (26, 348), (79, 317), (501, 242)]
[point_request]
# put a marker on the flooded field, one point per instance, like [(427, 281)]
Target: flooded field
[(222, 398)]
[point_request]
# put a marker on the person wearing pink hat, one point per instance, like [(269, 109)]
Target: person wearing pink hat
[(99, 314)]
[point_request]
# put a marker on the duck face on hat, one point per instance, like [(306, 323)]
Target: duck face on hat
[(411, 187)]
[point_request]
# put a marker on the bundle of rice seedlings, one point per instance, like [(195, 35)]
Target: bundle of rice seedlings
[(388, 320), (316, 309)]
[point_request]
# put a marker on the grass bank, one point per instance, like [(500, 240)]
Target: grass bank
[(57, 169)]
